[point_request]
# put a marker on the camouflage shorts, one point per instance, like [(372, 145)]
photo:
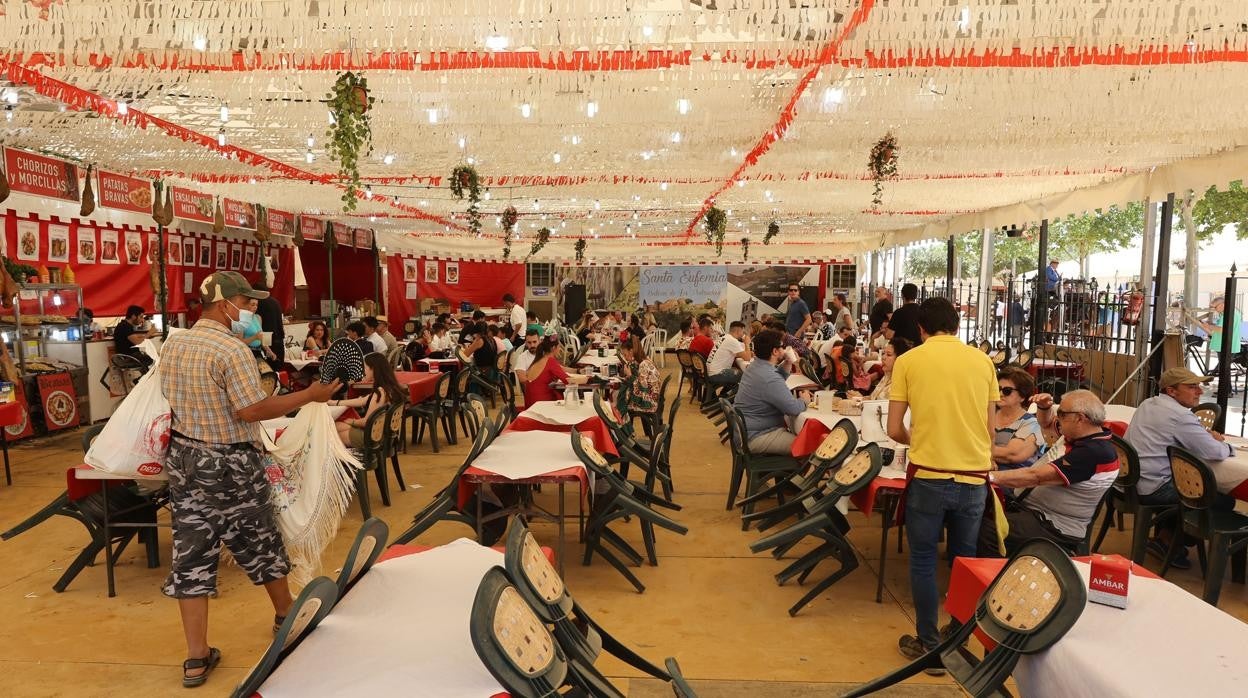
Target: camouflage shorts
[(220, 495)]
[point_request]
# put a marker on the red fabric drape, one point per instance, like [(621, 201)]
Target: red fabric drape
[(354, 274), (108, 289), (284, 278), (481, 283), (398, 306)]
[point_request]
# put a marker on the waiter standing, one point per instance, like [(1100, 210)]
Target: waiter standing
[(270, 312), (218, 490)]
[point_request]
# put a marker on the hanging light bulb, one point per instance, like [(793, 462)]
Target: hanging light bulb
[(597, 205), (311, 141), (740, 182), (10, 96), (308, 156), (368, 191), (635, 216), (526, 110), (433, 115), (463, 142), (682, 106), (330, 115), (200, 43), (123, 108), (487, 194), (591, 108), (252, 180), (576, 140), (647, 30), (221, 137), (388, 159), (424, 202), (662, 186), (372, 219), (557, 157), (536, 206), (675, 136)]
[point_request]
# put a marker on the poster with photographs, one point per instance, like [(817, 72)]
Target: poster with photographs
[(452, 272), (431, 271), (188, 251), (249, 258), (175, 251), (205, 254), (58, 243), (86, 245), (236, 257), (28, 240), (409, 270), (275, 256), (109, 253), (134, 247), (153, 246), (222, 261)]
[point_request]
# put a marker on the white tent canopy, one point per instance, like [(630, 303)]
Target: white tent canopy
[(621, 123)]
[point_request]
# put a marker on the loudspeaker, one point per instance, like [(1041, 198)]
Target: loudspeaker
[(574, 304)]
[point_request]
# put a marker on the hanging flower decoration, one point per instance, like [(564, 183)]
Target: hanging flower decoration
[(580, 250), (350, 132), (772, 230), (543, 237), (882, 165), (716, 223), (509, 219), (745, 249), (464, 181)]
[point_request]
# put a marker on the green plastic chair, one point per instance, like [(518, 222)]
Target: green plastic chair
[(1226, 532), (368, 546), (1034, 601), (314, 603)]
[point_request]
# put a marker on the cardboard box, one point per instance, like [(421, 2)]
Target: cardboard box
[(1109, 580)]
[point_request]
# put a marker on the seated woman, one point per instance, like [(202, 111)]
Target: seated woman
[(892, 349), (639, 388), (584, 326), (544, 370), (419, 346), (318, 338), (1019, 441), (843, 360), (481, 347), (386, 391)]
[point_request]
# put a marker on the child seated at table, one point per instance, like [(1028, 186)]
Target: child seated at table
[(386, 391)]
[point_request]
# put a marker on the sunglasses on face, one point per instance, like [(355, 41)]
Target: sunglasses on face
[(1007, 391)]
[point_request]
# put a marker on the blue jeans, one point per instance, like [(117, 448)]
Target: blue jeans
[(930, 504)]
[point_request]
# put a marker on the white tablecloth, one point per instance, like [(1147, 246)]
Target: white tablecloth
[(798, 381), (519, 454), (402, 630), (592, 359), (551, 412), (1229, 473), (1167, 642), (301, 364)]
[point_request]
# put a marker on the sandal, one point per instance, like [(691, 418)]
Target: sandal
[(206, 663)]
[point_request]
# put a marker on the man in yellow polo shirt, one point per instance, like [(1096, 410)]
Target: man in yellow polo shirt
[(951, 391)]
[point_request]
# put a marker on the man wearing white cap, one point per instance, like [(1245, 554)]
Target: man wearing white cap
[(383, 331), (1167, 420)]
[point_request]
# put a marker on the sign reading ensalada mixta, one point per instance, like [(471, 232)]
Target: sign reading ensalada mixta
[(239, 214), (191, 205), (124, 193), (42, 176), (281, 222)]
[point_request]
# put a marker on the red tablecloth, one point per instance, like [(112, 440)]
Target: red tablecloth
[(1117, 428), (592, 426), (10, 414), (1052, 367), (970, 579), (420, 384), (809, 438)]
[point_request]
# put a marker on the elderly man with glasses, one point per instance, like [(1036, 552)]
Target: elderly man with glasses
[(1167, 420), (1057, 498)]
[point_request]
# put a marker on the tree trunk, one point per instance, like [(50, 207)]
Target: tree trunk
[(1191, 264)]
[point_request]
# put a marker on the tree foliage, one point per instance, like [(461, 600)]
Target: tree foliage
[(929, 262), (1218, 209), (1079, 237)]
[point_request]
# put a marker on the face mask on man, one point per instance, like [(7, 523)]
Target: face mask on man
[(243, 322)]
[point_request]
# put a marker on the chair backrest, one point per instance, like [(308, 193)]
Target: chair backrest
[(537, 580), (998, 358), (394, 421), (314, 603), (584, 448), (1035, 599), (680, 687), (682, 357), (697, 364), (605, 411), (858, 470), (368, 545), (838, 444), (462, 380), (1193, 479), (985, 346), (443, 388), (476, 410), (268, 382), (1024, 358), (1128, 463), (1207, 413), (512, 641), (376, 429)]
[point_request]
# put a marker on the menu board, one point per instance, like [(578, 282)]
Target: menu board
[(239, 214), (124, 193), (39, 175), (192, 205)]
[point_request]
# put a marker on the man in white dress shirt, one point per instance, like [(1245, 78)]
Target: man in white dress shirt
[(517, 319), (721, 370)]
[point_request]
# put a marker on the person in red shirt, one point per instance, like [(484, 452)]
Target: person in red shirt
[(702, 342), (544, 370)]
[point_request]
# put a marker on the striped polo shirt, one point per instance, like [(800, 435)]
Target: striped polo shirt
[(1089, 467)]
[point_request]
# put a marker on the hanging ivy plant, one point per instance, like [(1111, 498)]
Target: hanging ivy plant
[(745, 249), (772, 230), (580, 250), (350, 133), (465, 182), (716, 224), (543, 237), (882, 165), (509, 219)]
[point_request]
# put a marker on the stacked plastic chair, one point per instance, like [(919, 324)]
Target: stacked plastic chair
[(824, 522)]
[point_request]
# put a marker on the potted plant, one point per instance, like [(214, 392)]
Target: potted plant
[(465, 182), (543, 237), (716, 225), (772, 230), (882, 165), (350, 133), (580, 250), (745, 249)]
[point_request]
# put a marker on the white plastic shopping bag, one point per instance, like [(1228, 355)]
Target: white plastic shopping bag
[(135, 440)]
